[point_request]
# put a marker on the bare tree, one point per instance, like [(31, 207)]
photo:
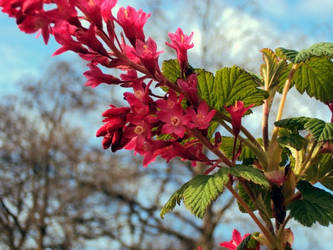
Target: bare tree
[(60, 191)]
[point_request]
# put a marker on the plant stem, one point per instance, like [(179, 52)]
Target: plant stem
[(270, 238), (309, 160), (262, 214), (253, 145), (222, 117), (283, 100), (215, 150)]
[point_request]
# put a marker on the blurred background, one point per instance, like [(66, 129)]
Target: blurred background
[(60, 190)]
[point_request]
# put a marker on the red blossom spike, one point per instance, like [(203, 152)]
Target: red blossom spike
[(181, 43), (132, 22)]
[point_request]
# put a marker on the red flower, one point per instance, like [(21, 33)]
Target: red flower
[(112, 129), (148, 54), (202, 118), (175, 121), (63, 32), (88, 37), (95, 77), (181, 43), (237, 111), (236, 240), (189, 87), (132, 22), (91, 9), (106, 7)]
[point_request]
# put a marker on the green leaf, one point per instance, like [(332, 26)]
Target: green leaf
[(250, 174), (211, 129), (315, 77), (317, 49), (293, 124), (249, 243), (228, 86), (316, 206), (171, 70), (322, 171), (283, 77), (247, 156), (290, 139), (260, 194), (203, 190), (322, 131), (287, 54), (176, 198), (206, 87), (198, 193)]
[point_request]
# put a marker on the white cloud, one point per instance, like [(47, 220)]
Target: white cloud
[(322, 8)]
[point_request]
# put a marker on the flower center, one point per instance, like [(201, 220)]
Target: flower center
[(139, 130), (139, 94), (175, 121)]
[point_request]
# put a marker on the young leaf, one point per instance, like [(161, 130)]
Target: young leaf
[(250, 174), (315, 76), (322, 171), (228, 86), (171, 70), (198, 193), (316, 206), (273, 67)]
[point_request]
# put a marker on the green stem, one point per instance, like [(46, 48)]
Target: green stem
[(253, 145), (309, 161), (283, 100), (262, 214)]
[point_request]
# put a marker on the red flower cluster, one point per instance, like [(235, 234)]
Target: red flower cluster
[(151, 125)]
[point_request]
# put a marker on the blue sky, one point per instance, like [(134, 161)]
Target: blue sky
[(278, 23)]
